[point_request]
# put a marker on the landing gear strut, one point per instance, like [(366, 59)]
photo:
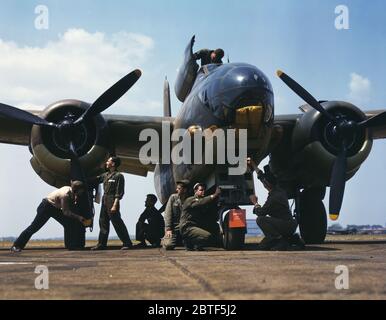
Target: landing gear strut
[(235, 192), (74, 231), (74, 236)]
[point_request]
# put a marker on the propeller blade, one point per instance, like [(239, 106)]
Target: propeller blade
[(111, 95), (376, 121), (304, 94), (85, 205), (338, 183), (21, 115), (76, 168)]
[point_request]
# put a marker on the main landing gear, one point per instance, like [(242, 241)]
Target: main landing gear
[(311, 215), (233, 237)]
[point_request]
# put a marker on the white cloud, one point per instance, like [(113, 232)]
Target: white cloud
[(78, 65), (360, 89)]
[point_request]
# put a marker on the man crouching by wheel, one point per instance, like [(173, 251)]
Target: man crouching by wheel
[(274, 218)]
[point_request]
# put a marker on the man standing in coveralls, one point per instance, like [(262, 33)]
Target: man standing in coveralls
[(114, 188)]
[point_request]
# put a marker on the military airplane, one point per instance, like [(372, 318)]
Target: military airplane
[(323, 146)]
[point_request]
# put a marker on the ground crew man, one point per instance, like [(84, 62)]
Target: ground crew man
[(193, 222), (209, 56), (114, 189), (59, 205), (154, 229), (172, 216), (274, 218)]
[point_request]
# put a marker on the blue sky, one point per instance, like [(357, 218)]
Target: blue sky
[(297, 36)]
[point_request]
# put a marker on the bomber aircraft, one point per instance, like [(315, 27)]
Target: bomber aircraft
[(322, 146)]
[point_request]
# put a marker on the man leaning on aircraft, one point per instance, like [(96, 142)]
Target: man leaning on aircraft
[(57, 205), (209, 56), (274, 218)]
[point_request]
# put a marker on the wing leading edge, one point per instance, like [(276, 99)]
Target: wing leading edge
[(289, 121), (14, 131), (124, 137), (376, 132), (124, 134)]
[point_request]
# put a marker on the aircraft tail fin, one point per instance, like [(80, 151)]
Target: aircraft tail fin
[(167, 105)]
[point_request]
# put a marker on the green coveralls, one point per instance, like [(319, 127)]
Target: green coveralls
[(194, 227), (172, 220), (114, 187), (275, 218)]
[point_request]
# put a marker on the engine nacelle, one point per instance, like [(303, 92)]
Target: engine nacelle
[(315, 149), (50, 154), (305, 155)]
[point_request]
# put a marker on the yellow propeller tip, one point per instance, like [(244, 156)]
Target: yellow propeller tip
[(279, 73), (334, 216)]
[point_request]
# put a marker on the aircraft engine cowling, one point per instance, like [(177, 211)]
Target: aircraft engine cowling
[(50, 158), (315, 146)]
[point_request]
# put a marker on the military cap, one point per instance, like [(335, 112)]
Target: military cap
[(199, 184)]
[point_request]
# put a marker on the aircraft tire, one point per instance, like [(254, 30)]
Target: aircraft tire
[(312, 217), (233, 238)]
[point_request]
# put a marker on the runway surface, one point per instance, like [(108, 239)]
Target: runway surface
[(214, 274)]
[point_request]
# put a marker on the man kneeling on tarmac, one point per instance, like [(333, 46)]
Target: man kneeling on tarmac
[(274, 218), (194, 222), (172, 216)]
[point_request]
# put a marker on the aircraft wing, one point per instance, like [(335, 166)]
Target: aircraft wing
[(378, 132), (289, 121), (14, 131), (125, 131)]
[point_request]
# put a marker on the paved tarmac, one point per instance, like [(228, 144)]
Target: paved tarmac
[(214, 274)]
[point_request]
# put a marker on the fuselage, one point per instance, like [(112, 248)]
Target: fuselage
[(234, 95), (220, 90)]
